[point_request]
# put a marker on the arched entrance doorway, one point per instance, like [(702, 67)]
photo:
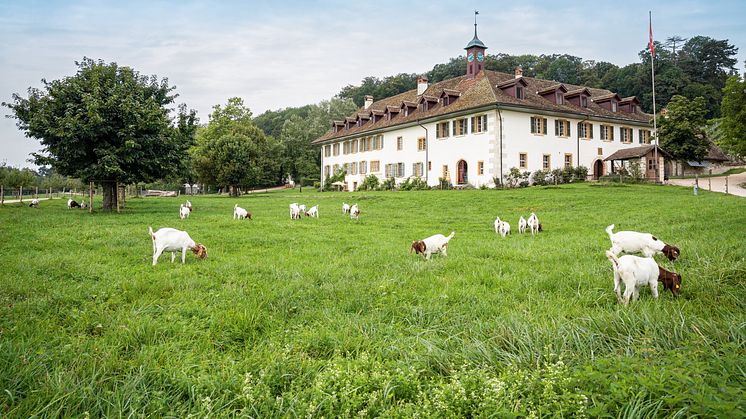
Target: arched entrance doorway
[(463, 173), (598, 169)]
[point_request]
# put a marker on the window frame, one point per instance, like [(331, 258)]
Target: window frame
[(377, 165), (480, 167), (565, 124), (546, 162), (479, 124), (568, 164), (457, 125), (541, 129), (524, 164), (421, 144), (399, 143)]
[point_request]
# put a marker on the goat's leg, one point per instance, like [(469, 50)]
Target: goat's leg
[(156, 255), (627, 294), (654, 289), (183, 255), (617, 284), (173, 256)]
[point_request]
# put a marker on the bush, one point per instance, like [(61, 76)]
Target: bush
[(389, 184), (517, 179), (498, 183), (337, 177), (370, 183), (444, 183), (581, 173), (414, 184), (635, 171), (541, 177), (317, 185)]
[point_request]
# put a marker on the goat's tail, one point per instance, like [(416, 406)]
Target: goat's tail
[(612, 258), (610, 230), (150, 230), (451, 235)]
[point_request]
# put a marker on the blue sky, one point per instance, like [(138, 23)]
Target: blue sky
[(280, 54)]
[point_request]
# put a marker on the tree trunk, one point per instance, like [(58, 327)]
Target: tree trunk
[(110, 195), (233, 190)]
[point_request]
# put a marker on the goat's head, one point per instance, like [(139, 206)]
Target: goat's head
[(540, 227), (671, 252), (200, 251), (248, 215), (418, 246), (671, 281)]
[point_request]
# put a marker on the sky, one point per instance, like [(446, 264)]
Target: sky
[(284, 54)]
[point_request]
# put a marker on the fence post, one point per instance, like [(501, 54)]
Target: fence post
[(118, 210), (36, 192), (2, 194), (90, 197), (20, 193), (726, 185)]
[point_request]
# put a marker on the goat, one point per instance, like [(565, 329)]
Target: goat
[(313, 212), (433, 244), (83, 205), (34, 203), (522, 225), (294, 211), (183, 212), (636, 272), (345, 208), (501, 227), (72, 204), (645, 243), (354, 212), (240, 213), (302, 209), (188, 205), (533, 223), (173, 240)]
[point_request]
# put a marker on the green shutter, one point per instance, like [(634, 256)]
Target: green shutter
[(544, 126)]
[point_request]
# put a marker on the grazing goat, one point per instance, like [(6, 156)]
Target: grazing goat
[(83, 205), (533, 223), (34, 203), (173, 240), (645, 243), (302, 208), (313, 212), (345, 208), (294, 211), (183, 212), (501, 227), (522, 225), (354, 212), (433, 244), (189, 205), (72, 204), (240, 213), (636, 272)]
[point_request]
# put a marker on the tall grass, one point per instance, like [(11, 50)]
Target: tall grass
[(332, 317)]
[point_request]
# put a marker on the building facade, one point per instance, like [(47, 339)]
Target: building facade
[(473, 129)]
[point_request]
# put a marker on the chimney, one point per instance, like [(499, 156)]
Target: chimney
[(518, 72), (368, 101), (421, 85)]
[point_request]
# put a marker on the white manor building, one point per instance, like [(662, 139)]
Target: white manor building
[(474, 128)]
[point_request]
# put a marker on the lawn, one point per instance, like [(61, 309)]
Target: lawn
[(333, 317)]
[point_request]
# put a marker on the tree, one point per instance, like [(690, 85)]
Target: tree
[(681, 129), (733, 121), (232, 151), (107, 123)]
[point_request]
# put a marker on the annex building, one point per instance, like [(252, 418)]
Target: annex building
[(474, 128)]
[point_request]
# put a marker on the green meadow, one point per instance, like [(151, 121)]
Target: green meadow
[(332, 317)]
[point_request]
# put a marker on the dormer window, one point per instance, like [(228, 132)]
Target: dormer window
[(610, 101), (519, 92), (554, 94), (559, 98), (613, 106), (449, 96), (584, 101), (514, 87)]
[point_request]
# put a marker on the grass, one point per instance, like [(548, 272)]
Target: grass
[(332, 317)]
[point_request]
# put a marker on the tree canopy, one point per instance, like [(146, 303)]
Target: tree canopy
[(107, 123), (681, 129), (232, 151), (733, 121)]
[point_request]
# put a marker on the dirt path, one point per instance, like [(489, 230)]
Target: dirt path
[(718, 184)]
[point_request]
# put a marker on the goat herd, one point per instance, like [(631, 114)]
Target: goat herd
[(633, 271)]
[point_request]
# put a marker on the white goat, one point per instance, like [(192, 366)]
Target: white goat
[(645, 243), (345, 208), (240, 213), (533, 223), (354, 212), (501, 227), (173, 240), (636, 272), (189, 205), (34, 203), (294, 211), (72, 204), (522, 224), (183, 212), (83, 205), (433, 244), (313, 211), (302, 208)]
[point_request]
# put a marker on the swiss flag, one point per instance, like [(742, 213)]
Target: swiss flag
[(652, 46)]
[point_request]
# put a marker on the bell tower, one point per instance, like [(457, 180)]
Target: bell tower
[(474, 53)]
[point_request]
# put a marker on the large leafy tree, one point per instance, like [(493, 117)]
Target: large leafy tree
[(107, 123), (232, 151), (681, 129), (733, 121)]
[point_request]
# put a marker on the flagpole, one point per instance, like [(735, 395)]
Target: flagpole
[(652, 73)]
